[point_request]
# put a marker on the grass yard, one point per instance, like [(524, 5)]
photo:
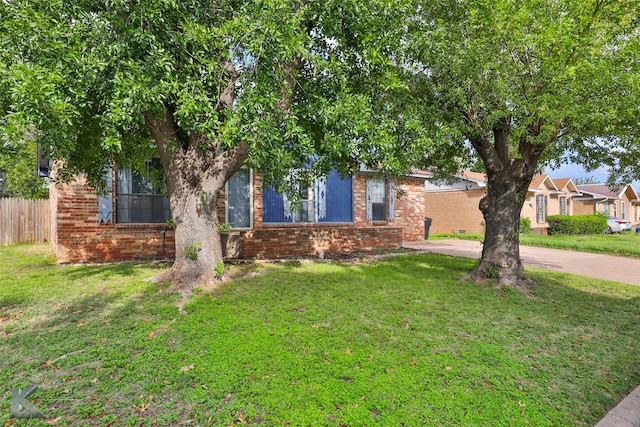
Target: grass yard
[(398, 342), (624, 244)]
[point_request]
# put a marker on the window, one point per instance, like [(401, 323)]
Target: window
[(541, 208), (327, 200), (622, 210), (140, 199), (376, 199), (615, 209), (306, 211), (605, 205), (563, 205), (239, 200), (380, 200)]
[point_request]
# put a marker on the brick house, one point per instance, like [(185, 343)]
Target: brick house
[(620, 203), (339, 214), (454, 206), (547, 196)]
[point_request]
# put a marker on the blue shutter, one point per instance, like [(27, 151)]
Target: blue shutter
[(339, 198), (273, 206)]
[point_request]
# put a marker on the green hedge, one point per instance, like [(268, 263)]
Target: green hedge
[(525, 225), (571, 225)]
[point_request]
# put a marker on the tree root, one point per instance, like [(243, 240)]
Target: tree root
[(503, 277)]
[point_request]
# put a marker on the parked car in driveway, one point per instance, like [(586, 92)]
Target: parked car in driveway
[(617, 225)]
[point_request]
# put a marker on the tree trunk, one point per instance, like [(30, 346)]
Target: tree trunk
[(196, 170), (508, 179), (197, 239), (501, 208)]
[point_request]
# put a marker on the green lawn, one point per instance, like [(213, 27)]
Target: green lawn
[(401, 341), (625, 244)]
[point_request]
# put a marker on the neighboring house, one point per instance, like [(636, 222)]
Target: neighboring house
[(454, 207), (547, 196), (620, 203), (539, 202), (568, 193), (339, 214)]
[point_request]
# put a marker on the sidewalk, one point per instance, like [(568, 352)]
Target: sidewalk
[(606, 267)]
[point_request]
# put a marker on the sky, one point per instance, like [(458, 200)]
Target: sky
[(574, 171), (577, 171)]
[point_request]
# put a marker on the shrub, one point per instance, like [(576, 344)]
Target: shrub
[(219, 269), (191, 251), (572, 225), (525, 225), (223, 228)]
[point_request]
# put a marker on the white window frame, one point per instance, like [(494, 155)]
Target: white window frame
[(309, 200), (389, 199)]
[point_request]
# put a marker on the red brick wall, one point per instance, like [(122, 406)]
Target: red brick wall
[(409, 207), (410, 211), (281, 240), (77, 236), (316, 239)]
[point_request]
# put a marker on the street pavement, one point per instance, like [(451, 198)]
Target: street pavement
[(606, 267)]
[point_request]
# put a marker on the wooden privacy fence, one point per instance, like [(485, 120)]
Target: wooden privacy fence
[(23, 221)]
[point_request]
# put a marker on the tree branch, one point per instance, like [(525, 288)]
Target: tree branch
[(226, 95), (501, 139)]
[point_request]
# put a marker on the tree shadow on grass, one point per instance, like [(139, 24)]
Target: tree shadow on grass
[(576, 339), (584, 330), (122, 269), (84, 347)]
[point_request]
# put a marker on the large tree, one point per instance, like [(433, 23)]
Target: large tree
[(212, 85), (521, 84)]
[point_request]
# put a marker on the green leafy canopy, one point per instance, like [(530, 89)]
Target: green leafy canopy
[(292, 79), (560, 77)]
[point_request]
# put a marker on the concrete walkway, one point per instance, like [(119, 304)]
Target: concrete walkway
[(606, 267)]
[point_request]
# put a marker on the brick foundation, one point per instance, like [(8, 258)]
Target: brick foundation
[(316, 240)]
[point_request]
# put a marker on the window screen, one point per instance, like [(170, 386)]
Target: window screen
[(139, 198), (377, 199)]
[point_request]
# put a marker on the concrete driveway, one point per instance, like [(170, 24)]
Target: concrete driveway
[(606, 267)]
